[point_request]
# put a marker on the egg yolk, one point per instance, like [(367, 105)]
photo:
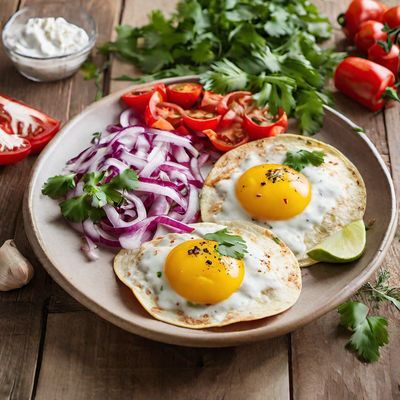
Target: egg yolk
[(197, 272), (273, 192)]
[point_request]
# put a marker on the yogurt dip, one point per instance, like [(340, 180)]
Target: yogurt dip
[(48, 37), (47, 47)]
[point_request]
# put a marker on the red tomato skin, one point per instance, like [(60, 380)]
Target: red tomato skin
[(140, 102), (389, 60), (360, 11), (221, 145), (363, 81), (184, 99), (256, 131), (181, 130), (224, 105), (150, 114), (392, 17), (210, 101), (201, 124), (14, 156), (369, 33), (39, 141)]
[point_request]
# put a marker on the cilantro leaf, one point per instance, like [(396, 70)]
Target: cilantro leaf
[(127, 180), (59, 185), (309, 112), (369, 333), (301, 158), (228, 245), (76, 209)]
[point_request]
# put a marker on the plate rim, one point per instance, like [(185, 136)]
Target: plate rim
[(194, 339)]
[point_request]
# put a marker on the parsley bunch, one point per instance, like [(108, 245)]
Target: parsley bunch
[(97, 193), (268, 47), (369, 333)]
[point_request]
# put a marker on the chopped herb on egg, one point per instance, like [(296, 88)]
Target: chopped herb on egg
[(302, 158), (228, 245), (276, 240), (159, 274)]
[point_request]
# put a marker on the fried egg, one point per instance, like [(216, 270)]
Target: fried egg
[(182, 279), (251, 183)]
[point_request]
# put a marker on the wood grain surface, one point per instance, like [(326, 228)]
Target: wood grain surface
[(52, 348)]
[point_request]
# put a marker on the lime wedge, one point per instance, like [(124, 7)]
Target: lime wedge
[(344, 246)]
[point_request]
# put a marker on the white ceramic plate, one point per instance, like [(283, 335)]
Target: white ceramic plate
[(95, 285)]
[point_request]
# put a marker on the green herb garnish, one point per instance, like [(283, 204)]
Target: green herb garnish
[(369, 333), (96, 193), (228, 245), (301, 158)]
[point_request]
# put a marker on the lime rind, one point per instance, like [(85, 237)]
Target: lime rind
[(343, 246)]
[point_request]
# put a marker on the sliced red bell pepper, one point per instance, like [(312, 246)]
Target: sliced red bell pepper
[(199, 120), (139, 99), (260, 124), (236, 101), (20, 119), (367, 82), (358, 12), (389, 59), (210, 101), (184, 94), (10, 153), (229, 138)]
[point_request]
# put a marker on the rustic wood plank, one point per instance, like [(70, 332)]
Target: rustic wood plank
[(87, 358), (321, 366)]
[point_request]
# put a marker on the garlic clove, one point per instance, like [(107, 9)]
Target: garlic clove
[(15, 270)]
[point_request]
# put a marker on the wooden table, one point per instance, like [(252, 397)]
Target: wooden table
[(51, 347)]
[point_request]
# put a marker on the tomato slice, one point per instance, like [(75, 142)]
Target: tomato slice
[(199, 120), (20, 119), (10, 154), (228, 138), (236, 101), (210, 101), (184, 94), (139, 99), (259, 123)]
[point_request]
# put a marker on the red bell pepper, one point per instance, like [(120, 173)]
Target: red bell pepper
[(358, 12), (368, 83), (10, 152), (392, 17), (369, 33), (385, 54)]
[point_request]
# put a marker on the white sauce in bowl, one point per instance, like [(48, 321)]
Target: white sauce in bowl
[(49, 37)]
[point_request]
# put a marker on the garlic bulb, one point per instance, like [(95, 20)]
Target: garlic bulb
[(15, 270)]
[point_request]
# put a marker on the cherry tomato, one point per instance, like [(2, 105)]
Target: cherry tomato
[(390, 59), (358, 12), (228, 138), (210, 101), (20, 119), (16, 154), (364, 81), (181, 130), (162, 124), (139, 99), (236, 101), (184, 94), (369, 33), (392, 17), (167, 111), (199, 120), (260, 124)]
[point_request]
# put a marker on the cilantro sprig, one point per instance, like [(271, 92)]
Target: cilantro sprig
[(228, 245), (269, 47), (302, 158), (97, 193), (369, 332)]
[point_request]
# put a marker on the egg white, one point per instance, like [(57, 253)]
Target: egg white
[(271, 283)]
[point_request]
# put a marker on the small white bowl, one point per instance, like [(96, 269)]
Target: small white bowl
[(50, 68)]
